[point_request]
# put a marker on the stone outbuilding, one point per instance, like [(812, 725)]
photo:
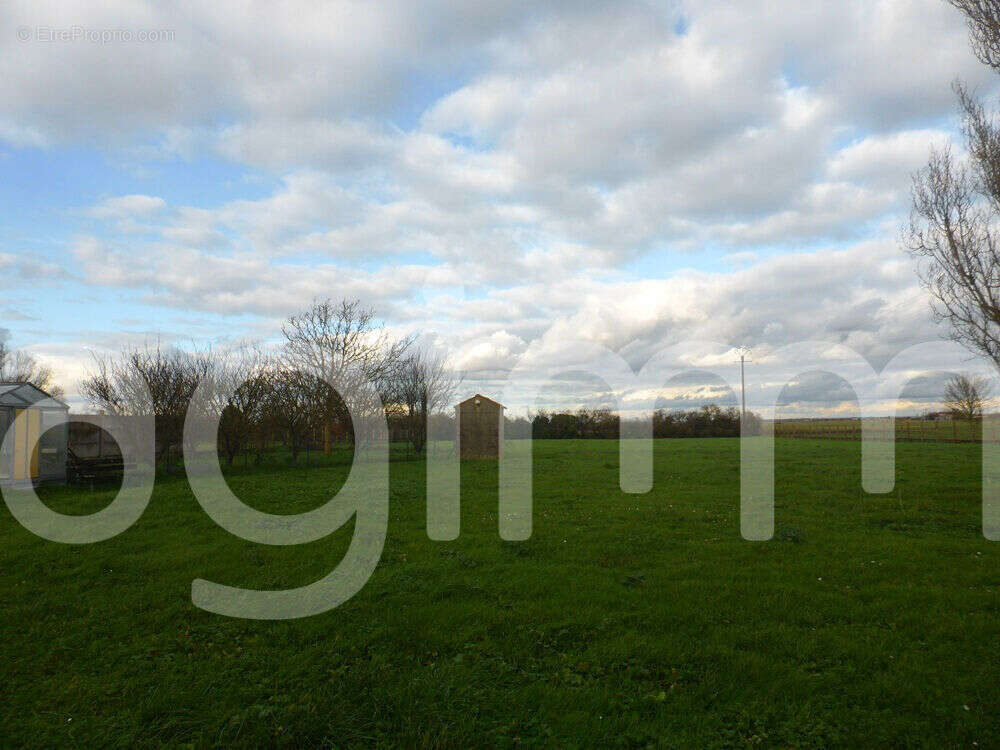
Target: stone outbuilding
[(479, 427)]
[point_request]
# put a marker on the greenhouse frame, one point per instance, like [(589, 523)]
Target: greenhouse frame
[(33, 430)]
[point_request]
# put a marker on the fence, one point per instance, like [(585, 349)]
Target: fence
[(907, 429)]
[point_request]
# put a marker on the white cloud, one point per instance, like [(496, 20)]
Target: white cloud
[(886, 161), (496, 171), (127, 206)]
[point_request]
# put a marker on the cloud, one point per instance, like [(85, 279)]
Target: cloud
[(127, 206), (886, 161), (496, 130), (22, 269), (497, 172), (816, 388), (240, 283), (335, 145), (301, 61)]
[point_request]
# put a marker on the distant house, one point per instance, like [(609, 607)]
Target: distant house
[(479, 427)]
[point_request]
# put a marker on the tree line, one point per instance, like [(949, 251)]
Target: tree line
[(296, 395), (332, 355), (707, 421)]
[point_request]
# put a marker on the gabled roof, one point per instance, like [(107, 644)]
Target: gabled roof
[(23, 395), (484, 398)]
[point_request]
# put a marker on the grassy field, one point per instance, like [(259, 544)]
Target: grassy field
[(625, 621)]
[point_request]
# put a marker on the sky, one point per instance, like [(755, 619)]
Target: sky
[(500, 178)]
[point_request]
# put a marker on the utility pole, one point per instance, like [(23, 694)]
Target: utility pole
[(744, 353)]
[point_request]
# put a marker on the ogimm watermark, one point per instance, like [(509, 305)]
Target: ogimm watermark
[(364, 497), (82, 34)]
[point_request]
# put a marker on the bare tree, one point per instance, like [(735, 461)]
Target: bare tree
[(290, 407), (21, 367), (966, 395), (343, 343), (142, 381), (983, 17), (424, 385), (238, 385), (954, 233)]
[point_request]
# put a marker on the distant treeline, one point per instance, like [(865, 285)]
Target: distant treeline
[(708, 421), (261, 398)]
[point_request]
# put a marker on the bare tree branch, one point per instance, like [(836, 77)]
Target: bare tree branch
[(344, 343), (983, 17), (424, 385), (953, 231), (966, 395), (21, 367), (142, 381)]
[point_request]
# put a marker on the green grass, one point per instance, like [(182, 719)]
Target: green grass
[(626, 620)]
